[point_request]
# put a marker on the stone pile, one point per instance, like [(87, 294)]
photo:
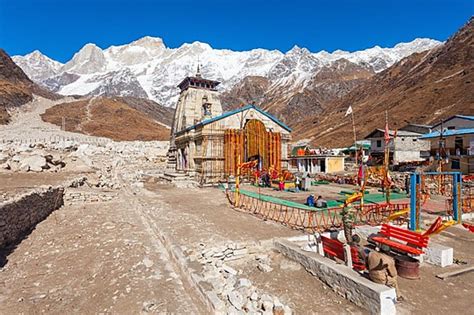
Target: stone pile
[(72, 196), (30, 160), (227, 289)]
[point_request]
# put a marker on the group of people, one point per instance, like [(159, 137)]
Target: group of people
[(318, 203)]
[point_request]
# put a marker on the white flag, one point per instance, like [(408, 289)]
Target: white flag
[(349, 111)]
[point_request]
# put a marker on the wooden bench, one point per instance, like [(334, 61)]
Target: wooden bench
[(414, 243), (335, 248)]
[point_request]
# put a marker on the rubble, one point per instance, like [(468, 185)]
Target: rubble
[(230, 292)]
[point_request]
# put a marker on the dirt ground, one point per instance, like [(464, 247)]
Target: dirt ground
[(14, 184), (203, 216), (91, 259)]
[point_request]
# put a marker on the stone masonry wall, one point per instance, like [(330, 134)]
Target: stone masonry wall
[(20, 215), (79, 196)]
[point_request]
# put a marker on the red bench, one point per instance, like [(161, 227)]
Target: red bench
[(335, 248), (392, 235)]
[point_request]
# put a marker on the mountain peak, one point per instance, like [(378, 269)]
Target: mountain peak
[(89, 47), (149, 42), (297, 50), (89, 59)]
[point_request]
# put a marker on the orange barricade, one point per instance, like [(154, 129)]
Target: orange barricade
[(316, 220)]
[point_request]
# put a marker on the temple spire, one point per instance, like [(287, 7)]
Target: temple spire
[(198, 72)]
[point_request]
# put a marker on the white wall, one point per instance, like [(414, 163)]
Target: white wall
[(457, 123)]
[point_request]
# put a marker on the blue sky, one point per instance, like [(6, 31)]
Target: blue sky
[(60, 28)]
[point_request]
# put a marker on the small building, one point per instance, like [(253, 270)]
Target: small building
[(308, 161), (405, 146), (455, 122), (207, 145), (361, 146), (421, 129), (453, 140)]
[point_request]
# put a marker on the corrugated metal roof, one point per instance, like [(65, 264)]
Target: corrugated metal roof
[(447, 133), (233, 112), (400, 133), (455, 116)]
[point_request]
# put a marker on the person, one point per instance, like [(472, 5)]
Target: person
[(382, 269), (266, 180), (297, 184), (281, 185), (347, 219), (310, 200), (321, 203), (361, 250), (407, 184)]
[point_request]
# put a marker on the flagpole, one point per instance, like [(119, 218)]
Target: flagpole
[(355, 139), (386, 161)]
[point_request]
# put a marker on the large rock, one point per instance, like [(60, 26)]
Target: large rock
[(34, 163), (3, 157)]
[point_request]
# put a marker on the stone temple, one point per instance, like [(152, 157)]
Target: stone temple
[(207, 144)]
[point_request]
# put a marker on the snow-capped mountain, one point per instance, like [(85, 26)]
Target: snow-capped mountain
[(147, 68), (37, 66)]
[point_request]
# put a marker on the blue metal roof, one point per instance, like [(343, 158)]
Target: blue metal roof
[(455, 116), (235, 111), (447, 133), (465, 117)]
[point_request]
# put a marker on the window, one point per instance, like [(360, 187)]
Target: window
[(455, 164), (207, 109), (379, 143), (458, 145), (451, 127)]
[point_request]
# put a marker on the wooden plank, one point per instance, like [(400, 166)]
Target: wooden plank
[(455, 273)]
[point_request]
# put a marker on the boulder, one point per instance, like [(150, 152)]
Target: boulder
[(236, 299), (3, 158), (34, 163)]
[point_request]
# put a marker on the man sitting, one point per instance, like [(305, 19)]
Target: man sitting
[(310, 200), (361, 250), (382, 269), (321, 203)]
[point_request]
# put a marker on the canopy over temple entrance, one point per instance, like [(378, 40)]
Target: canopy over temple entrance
[(252, 143)]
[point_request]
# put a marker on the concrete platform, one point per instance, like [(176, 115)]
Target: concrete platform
[(376, 298)]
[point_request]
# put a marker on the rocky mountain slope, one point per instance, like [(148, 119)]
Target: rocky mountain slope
[(115, 118), (147, 68), (16, 88), (294, 103), (422, 88)]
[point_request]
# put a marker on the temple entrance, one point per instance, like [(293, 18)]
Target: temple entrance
[(254, 142)]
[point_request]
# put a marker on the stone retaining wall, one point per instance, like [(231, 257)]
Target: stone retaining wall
[(20, 215), (375, 298)]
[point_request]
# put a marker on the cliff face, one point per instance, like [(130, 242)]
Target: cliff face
[(422, 88)]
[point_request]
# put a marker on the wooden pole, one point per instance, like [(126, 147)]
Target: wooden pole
[(355, 139), (386, 163)]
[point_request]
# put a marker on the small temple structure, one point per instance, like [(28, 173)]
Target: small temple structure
[(207, 145)]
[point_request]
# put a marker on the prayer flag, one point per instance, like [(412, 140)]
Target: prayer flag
[(387, 134)]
